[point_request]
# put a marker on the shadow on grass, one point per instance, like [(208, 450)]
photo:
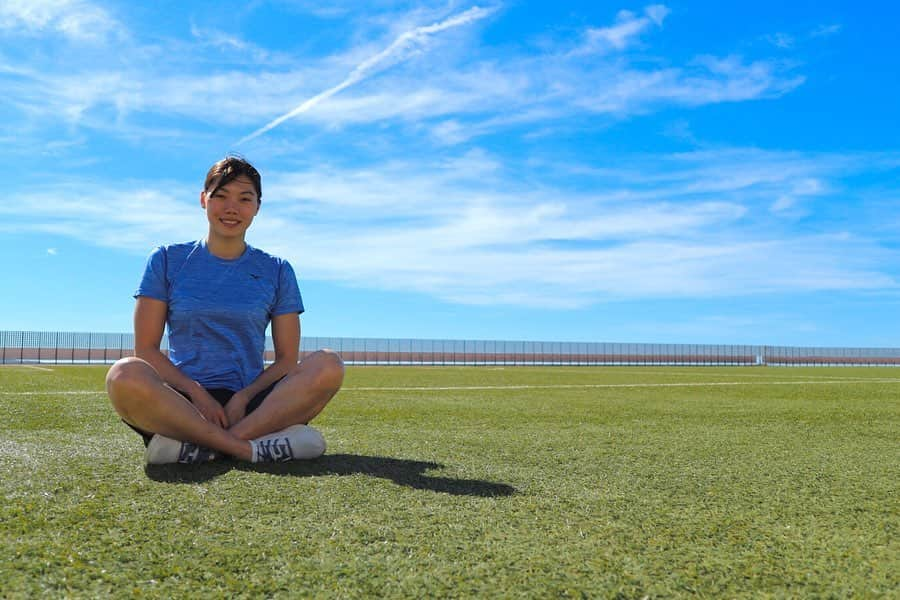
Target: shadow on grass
[(408, 473)]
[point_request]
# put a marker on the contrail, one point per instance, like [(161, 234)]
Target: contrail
[(393, 54)]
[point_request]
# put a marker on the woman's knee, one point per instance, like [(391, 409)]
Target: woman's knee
[(328, 367), (126, 374)]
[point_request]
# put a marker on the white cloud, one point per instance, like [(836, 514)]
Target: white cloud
[(783, 203), (450, 96), (826, 30), (466, 103), (470, 229), (77, 20), (781, 40), (467, 226), (625, 32), (80, 210), (788, 203), (225, 49), (708, 80), (399, 50)]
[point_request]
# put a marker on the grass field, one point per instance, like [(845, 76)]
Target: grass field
[(461, 482)]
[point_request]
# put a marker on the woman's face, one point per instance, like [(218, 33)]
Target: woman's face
[(230, 210)]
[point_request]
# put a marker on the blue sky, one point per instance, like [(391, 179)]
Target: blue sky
[(688, 171)]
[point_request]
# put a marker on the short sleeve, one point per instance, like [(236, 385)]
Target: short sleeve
[(154, 283), (288, 299)]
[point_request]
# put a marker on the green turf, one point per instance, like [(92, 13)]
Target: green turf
[(516, 482)]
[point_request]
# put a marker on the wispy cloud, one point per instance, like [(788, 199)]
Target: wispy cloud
[(399, 50), (707, 80), (789, 41), (52, 208), (463, 224), (624, 32), (452, 97), (469, 229), (692, 225), (788, 203), (781, 40), (826, 30), (231, 45), (505, 154), (74, 19)]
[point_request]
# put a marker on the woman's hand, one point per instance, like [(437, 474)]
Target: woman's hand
[(236, 408), (211, 410)]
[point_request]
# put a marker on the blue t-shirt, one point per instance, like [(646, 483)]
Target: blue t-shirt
[(219, 309)]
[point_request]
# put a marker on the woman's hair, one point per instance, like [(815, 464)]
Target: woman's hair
[(227, 170)]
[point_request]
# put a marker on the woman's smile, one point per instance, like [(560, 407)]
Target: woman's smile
[(230, 210)]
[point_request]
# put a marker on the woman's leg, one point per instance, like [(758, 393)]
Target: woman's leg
[(143, 399), (299, 397)]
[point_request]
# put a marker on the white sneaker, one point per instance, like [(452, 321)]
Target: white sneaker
[(163, 451), (297, 442)]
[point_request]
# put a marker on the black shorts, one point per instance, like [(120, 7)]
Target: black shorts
[(222, 396)]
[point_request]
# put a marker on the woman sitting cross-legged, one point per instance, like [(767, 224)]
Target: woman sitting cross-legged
[(212, 395)]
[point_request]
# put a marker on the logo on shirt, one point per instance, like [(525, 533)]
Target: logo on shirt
[(255, 276)]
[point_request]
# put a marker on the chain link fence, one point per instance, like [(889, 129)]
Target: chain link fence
[(42, 347)]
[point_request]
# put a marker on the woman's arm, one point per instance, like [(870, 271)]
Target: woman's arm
[(149, 325)]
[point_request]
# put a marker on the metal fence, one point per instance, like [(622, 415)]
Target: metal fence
[(25, 347)]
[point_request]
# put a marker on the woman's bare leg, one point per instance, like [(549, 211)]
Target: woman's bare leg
[(143, 399), (298, 398)]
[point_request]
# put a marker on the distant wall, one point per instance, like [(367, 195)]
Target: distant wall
[(18, 347)]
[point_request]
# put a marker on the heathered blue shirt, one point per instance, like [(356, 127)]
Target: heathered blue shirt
[(219, 309)]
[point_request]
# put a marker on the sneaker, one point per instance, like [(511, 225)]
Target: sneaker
[(162, 451), (297, 442)]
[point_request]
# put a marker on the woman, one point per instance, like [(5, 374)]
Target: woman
[(211, 394)]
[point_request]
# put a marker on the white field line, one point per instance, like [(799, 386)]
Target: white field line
[(686, 373), (552, 386), (566, 386), (55, 393), (34, 367)]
